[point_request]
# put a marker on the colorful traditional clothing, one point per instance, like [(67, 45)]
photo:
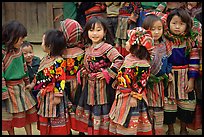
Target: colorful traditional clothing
[(157, 83), (74, 55), (97, 94), (50, 79), (128, 10), (185, 65), (18, 106), (128, 114)]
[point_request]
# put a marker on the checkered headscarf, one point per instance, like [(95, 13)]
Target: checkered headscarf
[(72, 31), (142, 37)]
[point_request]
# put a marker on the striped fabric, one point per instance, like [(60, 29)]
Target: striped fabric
[(97, 10), (96, 86), (19, 120), (121, 32), (158, 115), (176, 92), (72, 31)]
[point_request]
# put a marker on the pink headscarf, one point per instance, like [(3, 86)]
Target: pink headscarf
[(72, 31)]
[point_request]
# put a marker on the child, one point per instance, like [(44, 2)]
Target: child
[(197, 121), (74, 54), (180, 100), (18, 106), (160, 68), (129, 114), (50, 80), (128, 15), (32, 62), (101, 62)]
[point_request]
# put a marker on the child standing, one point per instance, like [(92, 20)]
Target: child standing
[(197, 121), (160, 68), (32, 62), (129, 114), (50, 80), (74, 55), (180, 99), (101, 63), (18, 106), (128, 15)]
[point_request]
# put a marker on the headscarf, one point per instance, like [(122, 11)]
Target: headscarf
[(141, 37), (72, 31)]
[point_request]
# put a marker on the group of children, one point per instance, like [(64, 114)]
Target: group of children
[(85, 84)]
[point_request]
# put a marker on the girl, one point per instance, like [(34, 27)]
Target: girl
[(32, 62), (74, 54), (18, 106), (160, 68), (128, 114), (101, 62), (50, 80), (180, 100), (197, 121)]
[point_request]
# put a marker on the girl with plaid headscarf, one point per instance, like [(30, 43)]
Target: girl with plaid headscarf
[(74, 55), (129, 114)]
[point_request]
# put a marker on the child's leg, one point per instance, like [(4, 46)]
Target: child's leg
[(170, 130), (11, 132), (183, 129), (28, 129)]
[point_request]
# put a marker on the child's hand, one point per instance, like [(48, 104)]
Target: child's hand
[(29, 87), (170, 77), (100, 75), (190, 85), (57, 100)]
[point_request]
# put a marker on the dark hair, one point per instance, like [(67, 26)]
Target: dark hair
[(91, 24), (55, 41), (185, 17), (149, 22), (26, 44), (11, 32), (140, 52)]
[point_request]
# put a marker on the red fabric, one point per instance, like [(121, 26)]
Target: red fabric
[(50, 130), (197, 121)]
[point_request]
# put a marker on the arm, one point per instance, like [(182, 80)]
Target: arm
[(4, 87)]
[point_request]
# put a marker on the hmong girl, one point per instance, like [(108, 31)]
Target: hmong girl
[(129, 114), (18, 106), (180, 99), (160, 68), (74, 55), (50, 80), (101, 63)]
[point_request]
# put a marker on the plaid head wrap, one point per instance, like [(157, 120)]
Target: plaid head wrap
[(142, 37), (72, 31)]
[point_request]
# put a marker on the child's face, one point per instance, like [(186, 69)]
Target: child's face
[(19, 43), (96, 34), (177, 26), (45, 49), (157, 30), (28, 53)]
